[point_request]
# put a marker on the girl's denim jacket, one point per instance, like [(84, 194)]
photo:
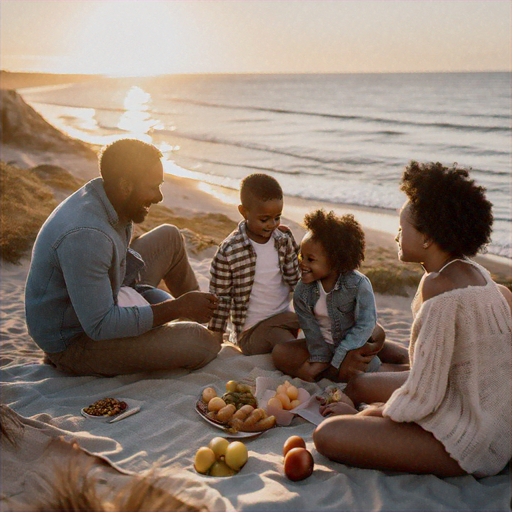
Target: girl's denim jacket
[(351, 307)]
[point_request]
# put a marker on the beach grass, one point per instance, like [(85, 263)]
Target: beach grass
[(26, 203), (28, 199)]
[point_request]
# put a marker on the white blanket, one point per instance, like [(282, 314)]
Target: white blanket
[(168, 431)]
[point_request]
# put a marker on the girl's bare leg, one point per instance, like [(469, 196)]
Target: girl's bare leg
[(392, 367), (394, 353), (290, 356), (358, 441), (374, 387)]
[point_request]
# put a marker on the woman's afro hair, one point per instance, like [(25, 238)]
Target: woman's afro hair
[(341, 237), (448, 207)]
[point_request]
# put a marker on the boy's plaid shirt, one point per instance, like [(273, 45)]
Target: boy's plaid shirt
[(232, 275)]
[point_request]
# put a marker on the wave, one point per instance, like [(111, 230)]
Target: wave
[(268, 149), (454, 126), (366, 119)]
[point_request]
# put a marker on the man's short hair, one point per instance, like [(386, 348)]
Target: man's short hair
[(261, 187), (127, 158)]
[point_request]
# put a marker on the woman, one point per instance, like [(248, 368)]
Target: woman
[(451, 414)]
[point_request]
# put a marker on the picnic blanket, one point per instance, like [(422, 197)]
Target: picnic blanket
[(168, 431)]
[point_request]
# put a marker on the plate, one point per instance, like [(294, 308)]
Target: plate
[(221, 426), (129, 405)]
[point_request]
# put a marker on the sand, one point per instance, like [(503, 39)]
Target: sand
[(187, 198)]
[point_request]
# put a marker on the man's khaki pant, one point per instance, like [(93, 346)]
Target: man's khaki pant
[(171, 346)]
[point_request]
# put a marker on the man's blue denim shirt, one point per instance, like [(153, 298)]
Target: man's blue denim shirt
[(79, 262), (351, 307)]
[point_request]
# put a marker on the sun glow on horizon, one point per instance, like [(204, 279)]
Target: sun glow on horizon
[(131, 38), (128, 38)]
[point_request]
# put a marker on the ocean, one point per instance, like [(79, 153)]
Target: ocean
[(340, 138)]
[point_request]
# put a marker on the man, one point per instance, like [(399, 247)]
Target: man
[(91, 300)]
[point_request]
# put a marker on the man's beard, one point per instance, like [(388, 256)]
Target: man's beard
[(135, 214)]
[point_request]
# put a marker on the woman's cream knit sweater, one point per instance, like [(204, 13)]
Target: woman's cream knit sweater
[(459, 386)]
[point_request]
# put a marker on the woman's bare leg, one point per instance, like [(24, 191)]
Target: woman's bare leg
[(374, 387), (358, 441)]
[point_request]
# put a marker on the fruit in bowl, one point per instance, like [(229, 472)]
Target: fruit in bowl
[(285, 399)]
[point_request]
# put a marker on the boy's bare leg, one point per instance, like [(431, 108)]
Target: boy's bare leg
[(356, 440), (374, 387), (265, 335)]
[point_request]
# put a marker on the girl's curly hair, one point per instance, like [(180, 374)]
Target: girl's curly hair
[(341, 237), (448, 207)]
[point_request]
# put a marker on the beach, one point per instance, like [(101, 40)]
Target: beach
[(206, 213)]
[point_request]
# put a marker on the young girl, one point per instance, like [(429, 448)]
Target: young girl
[(451, 414), (335, 305)]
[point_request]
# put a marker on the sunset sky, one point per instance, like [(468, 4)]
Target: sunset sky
[(134, 37)]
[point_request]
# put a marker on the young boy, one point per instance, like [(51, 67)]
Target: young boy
[(255, 271)]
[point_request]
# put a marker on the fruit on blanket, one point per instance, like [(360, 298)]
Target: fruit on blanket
[(298, 464), (293, 442), (220, 457), (220, 468), (216, 404), (205, 457), (236, 455), (208, 394), (218, 445)]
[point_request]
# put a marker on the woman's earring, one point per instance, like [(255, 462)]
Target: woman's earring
[(425, 245)]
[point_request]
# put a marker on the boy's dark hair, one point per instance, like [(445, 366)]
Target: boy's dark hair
[(261, 187), (128, 158), (448, 207), (341, 237)]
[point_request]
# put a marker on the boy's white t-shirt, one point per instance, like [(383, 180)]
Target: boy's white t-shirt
[(270, 294), (322, 315)]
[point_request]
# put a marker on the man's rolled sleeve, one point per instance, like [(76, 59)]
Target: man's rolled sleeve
[(87, 278)]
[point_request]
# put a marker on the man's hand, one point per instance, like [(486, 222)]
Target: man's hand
[(218, 336), (195, 306), (356, 361)]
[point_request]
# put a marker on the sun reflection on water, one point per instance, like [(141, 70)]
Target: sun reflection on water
[(136, 119)]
